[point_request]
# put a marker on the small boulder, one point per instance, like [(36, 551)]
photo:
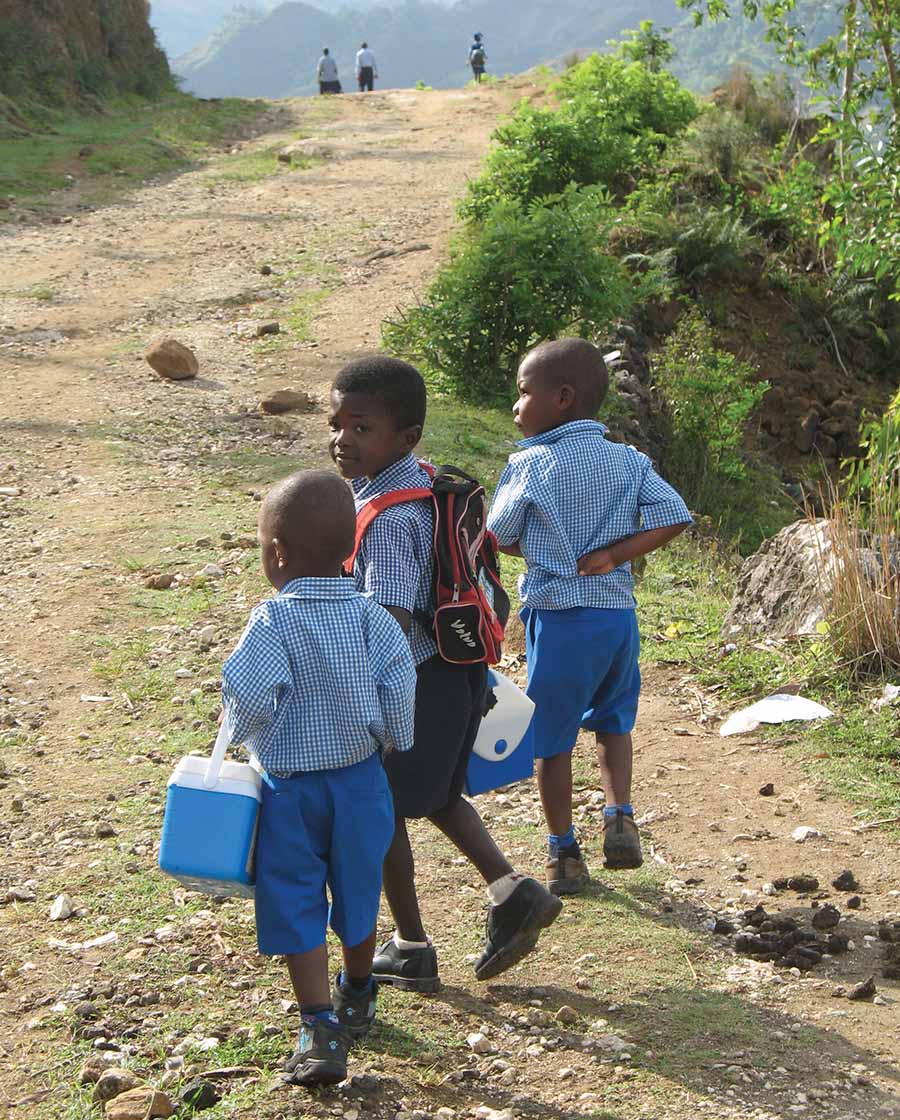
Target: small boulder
[(172, 360), (160, 582), (567, 1015), (865, 990), (199, 1095), (826, 917), (767, 790), (113, 1083), (268, 328), (61, 908), (285, 400), (846, 881), (139, 1104)]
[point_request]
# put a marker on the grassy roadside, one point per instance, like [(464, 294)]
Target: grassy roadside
[(123, 143)]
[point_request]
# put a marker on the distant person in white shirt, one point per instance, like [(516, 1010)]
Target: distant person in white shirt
[(327, 73), (366, 70)]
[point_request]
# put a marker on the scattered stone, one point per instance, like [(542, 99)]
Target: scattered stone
[(173, 361), (160, 582), (18, 894), (767, 790), (265, 270), (803, 833), (264, 329), (567, 1015), (853, 902), (846, 881), (96, 1064), (285, 400), (211, 571), (113, 1083), (145, 1103), (478, 1043), (565, 1073), (826, 917), (86, 1010), (802, 884), (199, 1095), (864, 990), (61, 908), (104, 830)]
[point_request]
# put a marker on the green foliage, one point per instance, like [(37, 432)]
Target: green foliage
[(794, 198), (525, 274), (875, 475), (704, 242), (647, 45), (614, 118), (711, 395)]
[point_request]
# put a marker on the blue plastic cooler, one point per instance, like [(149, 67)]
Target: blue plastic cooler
[(504, 749), (209, 828)]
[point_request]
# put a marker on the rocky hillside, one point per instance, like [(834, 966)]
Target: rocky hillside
[(57, 51)]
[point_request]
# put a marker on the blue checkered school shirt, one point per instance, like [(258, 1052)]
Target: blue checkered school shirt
[(321, 678), (570, 491), (395, 562)]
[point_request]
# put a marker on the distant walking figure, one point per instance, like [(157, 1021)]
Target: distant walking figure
[(327, 73), (366, 70), (477, 56)]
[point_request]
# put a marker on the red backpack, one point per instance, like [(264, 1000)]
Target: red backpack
[(471, 606)]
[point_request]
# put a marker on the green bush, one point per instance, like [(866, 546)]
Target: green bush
[(706, 242), (710, 394), (526, 273), (614, 118)]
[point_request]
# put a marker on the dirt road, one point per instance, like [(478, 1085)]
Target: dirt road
[(109, 476)]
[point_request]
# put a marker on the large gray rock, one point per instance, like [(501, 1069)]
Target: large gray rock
[(784, 589)]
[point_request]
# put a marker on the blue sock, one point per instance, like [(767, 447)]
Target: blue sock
[(324, 1014), (567, 840), (357, 984), (611, 810)]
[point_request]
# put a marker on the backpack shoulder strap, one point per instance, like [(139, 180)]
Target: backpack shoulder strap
[(371, 510)]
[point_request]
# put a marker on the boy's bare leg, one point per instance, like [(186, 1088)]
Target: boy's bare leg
[(358, 958), (309, 977), (459, 821), (400, 886), (554, 777), (614, 755)]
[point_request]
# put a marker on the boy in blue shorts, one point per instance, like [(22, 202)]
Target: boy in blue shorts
[(320, 686), (377, 415), (579, 509)]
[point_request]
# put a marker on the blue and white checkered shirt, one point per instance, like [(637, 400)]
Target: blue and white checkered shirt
[(568, 492), (395, 562), (321, 678)]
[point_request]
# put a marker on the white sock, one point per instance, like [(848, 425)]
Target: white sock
[(408, 945), (500, 890)]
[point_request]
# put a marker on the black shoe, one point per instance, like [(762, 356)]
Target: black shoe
[(355, 1009), (512, 929), (621, 842), (321, 1054), (413, 970)]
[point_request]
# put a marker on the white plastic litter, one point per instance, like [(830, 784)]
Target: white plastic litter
[(890, 695), (780, 708)]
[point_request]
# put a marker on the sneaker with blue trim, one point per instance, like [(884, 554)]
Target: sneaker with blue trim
[(355, 1009), (321, 1054), (621, 842)]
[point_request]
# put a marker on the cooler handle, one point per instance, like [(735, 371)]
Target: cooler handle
[(214, 768)]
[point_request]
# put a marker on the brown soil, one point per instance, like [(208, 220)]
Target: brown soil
[(122, 475)]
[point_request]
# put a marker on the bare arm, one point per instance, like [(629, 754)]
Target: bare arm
[(514, 549), (605, 560), (402, 616)]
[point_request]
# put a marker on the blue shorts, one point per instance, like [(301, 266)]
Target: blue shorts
[(321, 828), (582, 672)]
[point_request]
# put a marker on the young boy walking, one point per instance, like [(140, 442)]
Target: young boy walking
[(377, 415), (579, 509), (321, 685)]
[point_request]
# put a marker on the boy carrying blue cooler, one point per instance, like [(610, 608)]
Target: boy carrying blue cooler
[(321, 683), (579, 509)]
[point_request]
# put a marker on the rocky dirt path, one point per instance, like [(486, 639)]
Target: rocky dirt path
[(633, 1007)]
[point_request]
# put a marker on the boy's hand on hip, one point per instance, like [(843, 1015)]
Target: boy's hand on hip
[(598, 563)]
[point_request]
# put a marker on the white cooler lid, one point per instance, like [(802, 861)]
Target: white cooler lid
[(235, 777)]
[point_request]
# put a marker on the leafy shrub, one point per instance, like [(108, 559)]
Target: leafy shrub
[(877, 472), (526, 273), (613, 119), (710, 394), (706, 242), (795, 198), (723, 141)]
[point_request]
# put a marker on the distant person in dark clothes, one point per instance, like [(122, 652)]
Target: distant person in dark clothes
[(477, 56), (366, 70), (327, 73)]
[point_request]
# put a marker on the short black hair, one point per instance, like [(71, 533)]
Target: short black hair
[(325, 50), (575, 362), (314, 514), (364, 46), (397, 384)]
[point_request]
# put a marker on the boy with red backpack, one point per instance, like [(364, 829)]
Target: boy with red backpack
[(410, 527)]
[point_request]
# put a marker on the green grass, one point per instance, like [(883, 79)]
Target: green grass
[(130, 140), (251, 167)]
